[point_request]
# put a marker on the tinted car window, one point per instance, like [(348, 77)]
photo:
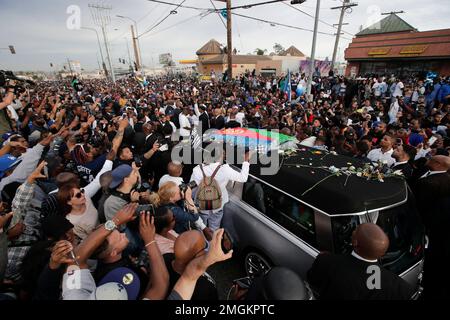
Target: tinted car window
[(289, 213), (401, 225)]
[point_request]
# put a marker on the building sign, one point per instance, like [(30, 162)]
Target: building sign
[(413, 49), (378, 51)]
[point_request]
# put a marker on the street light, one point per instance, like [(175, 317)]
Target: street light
[(99, 46), (137, 37), (10, 48)]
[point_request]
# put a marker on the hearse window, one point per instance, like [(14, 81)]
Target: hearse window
[(289, 213), (402, 226)]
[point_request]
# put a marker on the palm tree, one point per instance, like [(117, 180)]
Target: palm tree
[(260, 52)]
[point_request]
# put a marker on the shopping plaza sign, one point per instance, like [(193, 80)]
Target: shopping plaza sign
[(378, 51)]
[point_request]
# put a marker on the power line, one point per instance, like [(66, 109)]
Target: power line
[(161, 21), (311, 16), (280, 24), (180, 5), (218, 13), (176, 24)]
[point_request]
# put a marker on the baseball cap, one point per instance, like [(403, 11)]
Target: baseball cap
[(118, 284), (120, 173), (7, 161), (415, 139)]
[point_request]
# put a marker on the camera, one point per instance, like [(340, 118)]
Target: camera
[(6, 76), (147, 208), (183, 186)]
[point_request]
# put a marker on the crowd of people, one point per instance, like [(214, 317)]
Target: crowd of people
[(92, 201)]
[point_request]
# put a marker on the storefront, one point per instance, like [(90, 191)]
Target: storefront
[(392, 46)]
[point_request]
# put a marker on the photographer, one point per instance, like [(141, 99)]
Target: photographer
[(169, 195)]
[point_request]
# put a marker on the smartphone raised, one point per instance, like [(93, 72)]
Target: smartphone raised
[(227, 242)]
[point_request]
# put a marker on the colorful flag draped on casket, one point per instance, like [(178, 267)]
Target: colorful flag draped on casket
[(261, 140)]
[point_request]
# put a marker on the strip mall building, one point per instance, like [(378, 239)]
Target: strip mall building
[(392, 46)]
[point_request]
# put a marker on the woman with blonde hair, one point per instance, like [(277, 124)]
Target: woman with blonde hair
[(170, 195)]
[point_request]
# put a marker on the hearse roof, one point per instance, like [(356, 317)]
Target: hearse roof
[(337, 195)]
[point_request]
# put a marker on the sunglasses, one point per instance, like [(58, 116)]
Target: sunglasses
[(79, 194)]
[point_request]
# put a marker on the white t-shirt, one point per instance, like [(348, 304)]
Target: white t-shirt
[(376, 155), (377, 89), (85, 223), (398, 91), (184, 123)]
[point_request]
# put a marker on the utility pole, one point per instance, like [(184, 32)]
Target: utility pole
[(70, 67), (137, 39), (229, 43), (129, 55), (136, 53), (100, 48), (313, 50), (346, 5), (100, 15)]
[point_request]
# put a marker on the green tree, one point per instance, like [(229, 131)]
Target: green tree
[(278, 48), (260, 52)]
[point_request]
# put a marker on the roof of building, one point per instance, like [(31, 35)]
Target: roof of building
[(411, 45), (389, 24), (237, 59), (211, 47), (335, 195), (293, 51)]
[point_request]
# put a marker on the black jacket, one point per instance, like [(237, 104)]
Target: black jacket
[(344, 277), (204, 120), (218, 123), (406, 169)]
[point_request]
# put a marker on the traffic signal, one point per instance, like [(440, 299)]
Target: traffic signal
[(11, 48)]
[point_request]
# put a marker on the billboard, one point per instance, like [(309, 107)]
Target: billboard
[(75, 66)]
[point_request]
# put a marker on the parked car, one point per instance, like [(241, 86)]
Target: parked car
[(274, 222)]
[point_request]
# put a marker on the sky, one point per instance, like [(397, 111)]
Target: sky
[(43, 31)]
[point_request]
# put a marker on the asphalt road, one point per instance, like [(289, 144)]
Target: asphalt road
[(225, 272)]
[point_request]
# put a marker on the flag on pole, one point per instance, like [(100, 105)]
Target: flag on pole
[(287, 85)]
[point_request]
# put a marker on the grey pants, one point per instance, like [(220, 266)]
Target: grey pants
[(3, 255), (212, 220)]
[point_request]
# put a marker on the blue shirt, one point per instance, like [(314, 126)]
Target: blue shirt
[(89, 170), (445, 91)]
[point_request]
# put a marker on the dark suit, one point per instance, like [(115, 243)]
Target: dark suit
[(433, 202), (218, 123), (204, 120), (344, 277), (406, 169)]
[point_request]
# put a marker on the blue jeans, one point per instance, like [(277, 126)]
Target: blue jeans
[(212, 220)]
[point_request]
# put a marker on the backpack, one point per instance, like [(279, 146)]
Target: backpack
[(209, 196)]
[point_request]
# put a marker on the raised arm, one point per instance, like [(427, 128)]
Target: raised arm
[(159, 276), (186, 283)]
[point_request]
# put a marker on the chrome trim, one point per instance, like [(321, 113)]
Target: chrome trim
[(334, 215), (410, 268), (288, 235)]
